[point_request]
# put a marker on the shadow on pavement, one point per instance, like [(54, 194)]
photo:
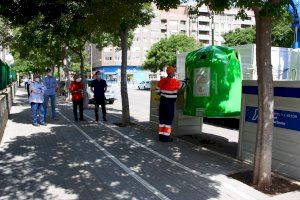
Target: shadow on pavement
[(60, 163), (207, 140)]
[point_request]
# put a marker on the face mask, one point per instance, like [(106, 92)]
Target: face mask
[(37, 79), (78, 79)]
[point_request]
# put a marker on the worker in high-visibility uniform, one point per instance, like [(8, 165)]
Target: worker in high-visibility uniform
[(168, 88)]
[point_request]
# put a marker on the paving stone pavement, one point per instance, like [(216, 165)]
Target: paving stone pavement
[(89, 160)]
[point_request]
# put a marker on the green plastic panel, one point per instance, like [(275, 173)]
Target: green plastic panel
[(7, 75), (215, 86)]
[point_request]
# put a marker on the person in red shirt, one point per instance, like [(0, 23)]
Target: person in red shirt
[(76, 89), (168, 88)]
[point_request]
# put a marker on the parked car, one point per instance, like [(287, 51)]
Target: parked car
[(109, 94), (144, 85)]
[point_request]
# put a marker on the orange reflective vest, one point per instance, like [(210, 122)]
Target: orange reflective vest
[(168, 87)]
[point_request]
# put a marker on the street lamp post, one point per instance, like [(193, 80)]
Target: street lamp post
[(212, 15)]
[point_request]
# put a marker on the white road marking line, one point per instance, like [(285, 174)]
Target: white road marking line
[(203, 148), (120, 164), (226, 185)]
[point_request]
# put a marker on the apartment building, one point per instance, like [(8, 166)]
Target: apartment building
[(163, 25), (209, 25), (203, 28)]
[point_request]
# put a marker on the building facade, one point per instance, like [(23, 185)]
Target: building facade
[(171, 22)]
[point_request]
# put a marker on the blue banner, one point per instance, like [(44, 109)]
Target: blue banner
[(282, 118), (278, 91)]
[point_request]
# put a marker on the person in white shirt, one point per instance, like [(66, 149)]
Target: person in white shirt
[(36, 99)]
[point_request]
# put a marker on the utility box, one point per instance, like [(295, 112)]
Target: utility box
[(182, 124), (286, 134), (215, 85)]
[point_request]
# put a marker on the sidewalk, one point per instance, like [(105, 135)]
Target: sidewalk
[(86, 160)]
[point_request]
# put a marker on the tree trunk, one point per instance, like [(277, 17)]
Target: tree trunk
[(124, 92), (58, 72), (82, 74), (263, 151), (67, 73), (53, 69)]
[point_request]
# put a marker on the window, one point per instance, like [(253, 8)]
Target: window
[(245, 26), (204, 23), (222, 26), (182, 31), (163, 21), (204, 32), (108, 58), (204, 14), (204, 41), (182, 22), (163, 30)]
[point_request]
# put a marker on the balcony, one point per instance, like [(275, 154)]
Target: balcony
[(204, 19), (204, 37), (204, 27)]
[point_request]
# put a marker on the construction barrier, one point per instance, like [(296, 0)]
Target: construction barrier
[(286, 135)]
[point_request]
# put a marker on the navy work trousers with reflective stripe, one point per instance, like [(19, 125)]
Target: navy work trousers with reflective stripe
[(166, 110)]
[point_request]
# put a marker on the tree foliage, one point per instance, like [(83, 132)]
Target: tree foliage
[(5, 33), (239, 37), (163, 53), (282, 33), (74, 22)]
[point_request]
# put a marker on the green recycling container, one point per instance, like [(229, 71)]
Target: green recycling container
[(4, 74), (215, 86), (10, 76)]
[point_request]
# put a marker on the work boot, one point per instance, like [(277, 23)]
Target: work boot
[(168, 139), (164, 138), (160, 137)]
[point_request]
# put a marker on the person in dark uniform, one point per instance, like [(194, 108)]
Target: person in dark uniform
[(98, 87)]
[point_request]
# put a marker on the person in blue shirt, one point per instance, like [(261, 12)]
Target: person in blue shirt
[(51, 84), (98, 87)]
